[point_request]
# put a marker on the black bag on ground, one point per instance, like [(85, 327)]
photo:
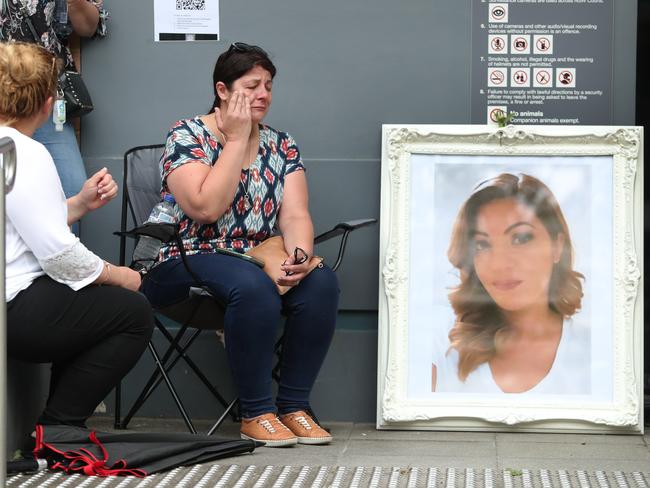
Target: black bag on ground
[(84, 451)]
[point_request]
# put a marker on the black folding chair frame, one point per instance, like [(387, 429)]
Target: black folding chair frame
[(164, 365)]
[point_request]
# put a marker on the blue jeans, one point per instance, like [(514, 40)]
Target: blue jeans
[(253, 312), (64, 150)]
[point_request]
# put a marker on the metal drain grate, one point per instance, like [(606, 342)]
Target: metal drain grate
[(227, 476)]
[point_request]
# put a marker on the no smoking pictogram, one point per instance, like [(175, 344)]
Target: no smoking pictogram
[(497, 77)]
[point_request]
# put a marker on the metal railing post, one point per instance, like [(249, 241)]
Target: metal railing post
[(8, 167)]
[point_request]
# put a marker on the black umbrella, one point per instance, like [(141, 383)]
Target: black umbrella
[(78, 450)]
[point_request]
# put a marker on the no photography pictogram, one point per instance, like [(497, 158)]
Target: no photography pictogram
[(497, 44), (520, 44), (497, 12), (497, 77), (520, 77), (565, 77), (543, 44), (496, 113), (543, 77)]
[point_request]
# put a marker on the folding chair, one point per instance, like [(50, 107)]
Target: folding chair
[(200, 310)]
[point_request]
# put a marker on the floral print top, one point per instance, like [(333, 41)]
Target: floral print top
[(42, 13), (242, 226)]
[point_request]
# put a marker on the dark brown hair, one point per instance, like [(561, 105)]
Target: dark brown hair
[(479, 321), (234, 63)]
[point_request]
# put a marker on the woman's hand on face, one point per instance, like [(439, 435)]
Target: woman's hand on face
[(294, 273), (98, 190), (235, 121)]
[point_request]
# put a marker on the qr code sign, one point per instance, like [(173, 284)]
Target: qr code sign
[(190, 4)]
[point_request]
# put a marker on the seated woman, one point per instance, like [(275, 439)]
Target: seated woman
[(234, 180), (56, 310), (514, 306)]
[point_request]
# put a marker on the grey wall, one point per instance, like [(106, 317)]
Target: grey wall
[(344, 68)]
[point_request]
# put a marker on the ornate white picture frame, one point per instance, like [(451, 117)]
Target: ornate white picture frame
[(595, 177)]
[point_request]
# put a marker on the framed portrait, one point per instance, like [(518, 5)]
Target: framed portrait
[(511, 275)]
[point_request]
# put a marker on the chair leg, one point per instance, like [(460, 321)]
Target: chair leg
[(155, 379), (181, 350), (118, 405), (166, 365), (229, 411), (172, 390), (155, 375)]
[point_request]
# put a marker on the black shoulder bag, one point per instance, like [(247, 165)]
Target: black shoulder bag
[(71, 85)]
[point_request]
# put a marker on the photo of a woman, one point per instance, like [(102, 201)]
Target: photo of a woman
[(517, 325)]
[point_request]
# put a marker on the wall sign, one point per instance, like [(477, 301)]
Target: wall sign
[(542, 61), (186, 20)]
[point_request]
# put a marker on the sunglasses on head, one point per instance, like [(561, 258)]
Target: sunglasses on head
[(242, 47)]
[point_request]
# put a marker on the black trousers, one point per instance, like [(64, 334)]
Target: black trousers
[(92, 337)]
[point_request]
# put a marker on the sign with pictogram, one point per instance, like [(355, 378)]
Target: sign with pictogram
[(542, 77), (543, 44), (497, 76), (519, 77), (565, 77), (498, 44), (498, 12), (547, 65), (496, 112), (520, 44)]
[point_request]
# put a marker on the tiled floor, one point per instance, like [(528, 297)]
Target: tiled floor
[(362, 456), (363, 445)]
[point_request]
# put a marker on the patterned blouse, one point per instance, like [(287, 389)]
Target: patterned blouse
[(53, 36), (248, 221)]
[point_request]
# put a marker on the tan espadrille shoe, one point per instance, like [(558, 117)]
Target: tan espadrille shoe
[(305, 428), (267, 428)]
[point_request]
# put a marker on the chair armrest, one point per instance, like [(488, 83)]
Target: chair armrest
[(162, 231), (343, 227)]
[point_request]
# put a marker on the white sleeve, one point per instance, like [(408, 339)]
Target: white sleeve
[(38, 210)]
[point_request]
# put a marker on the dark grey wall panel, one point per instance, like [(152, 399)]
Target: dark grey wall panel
[(344, 69), (625, 24), (345, 390)]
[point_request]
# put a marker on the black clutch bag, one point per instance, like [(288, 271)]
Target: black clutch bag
[(75, 93)]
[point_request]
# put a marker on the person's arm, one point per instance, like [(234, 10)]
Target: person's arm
[(119, 276), (96, 192), (205, 192), (84, 17), (37, 209), (296, 226)]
